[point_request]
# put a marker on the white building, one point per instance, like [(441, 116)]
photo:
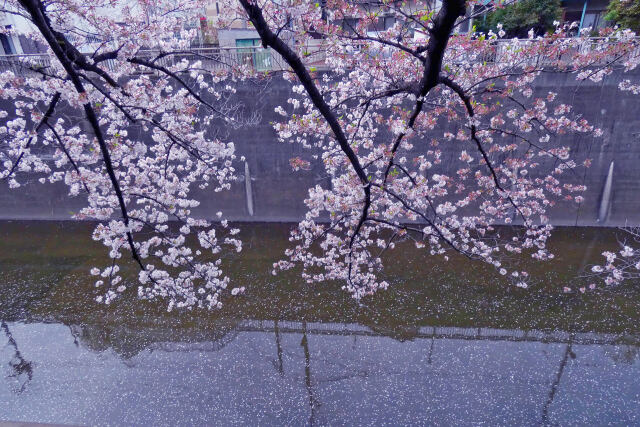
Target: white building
[(12, 42)]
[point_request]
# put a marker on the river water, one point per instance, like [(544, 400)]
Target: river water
[(448, 344)]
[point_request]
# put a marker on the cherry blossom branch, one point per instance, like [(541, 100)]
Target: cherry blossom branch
[(467, 102), (47, 115), (440, 33), (177, 78), (269, 39), (60, 47), (68, 155)]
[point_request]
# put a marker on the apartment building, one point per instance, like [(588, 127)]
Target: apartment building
[(11, 40), (241, 34), (588, 13)]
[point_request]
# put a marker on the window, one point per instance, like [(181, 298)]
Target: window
[(248, 42), (592, 20), (349, 25), (383, 24), (7, 43), (253, 54)]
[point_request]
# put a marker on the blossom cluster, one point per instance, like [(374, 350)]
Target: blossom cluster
[(621, 265), (153, 139), (383, 127)]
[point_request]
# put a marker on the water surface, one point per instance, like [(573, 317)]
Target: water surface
[(448, 344)]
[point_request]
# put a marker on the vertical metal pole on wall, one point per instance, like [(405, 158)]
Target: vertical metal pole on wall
[(584, 11), (247, 188), (605, 199)]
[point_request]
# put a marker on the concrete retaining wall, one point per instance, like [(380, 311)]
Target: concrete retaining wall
[(268, 190)]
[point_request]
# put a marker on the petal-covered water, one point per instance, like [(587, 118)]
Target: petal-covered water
[(450, 343)]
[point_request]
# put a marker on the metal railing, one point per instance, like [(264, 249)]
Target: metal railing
[(211, 59), (258, 59), (222, 58), (506, 50), (22, 62)]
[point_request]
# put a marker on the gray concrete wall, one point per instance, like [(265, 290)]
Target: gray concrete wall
[(276, 193)]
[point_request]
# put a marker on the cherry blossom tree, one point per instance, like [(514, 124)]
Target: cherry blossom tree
[(395, 95), (374, 116), (146, 146)]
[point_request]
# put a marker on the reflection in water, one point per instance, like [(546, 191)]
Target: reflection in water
[(276, 331), (623, 353), (21, 370), (223, 334), (313, 403), (556, 381), (433, 341), (74, 334), (447, 344), (498, 376)]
